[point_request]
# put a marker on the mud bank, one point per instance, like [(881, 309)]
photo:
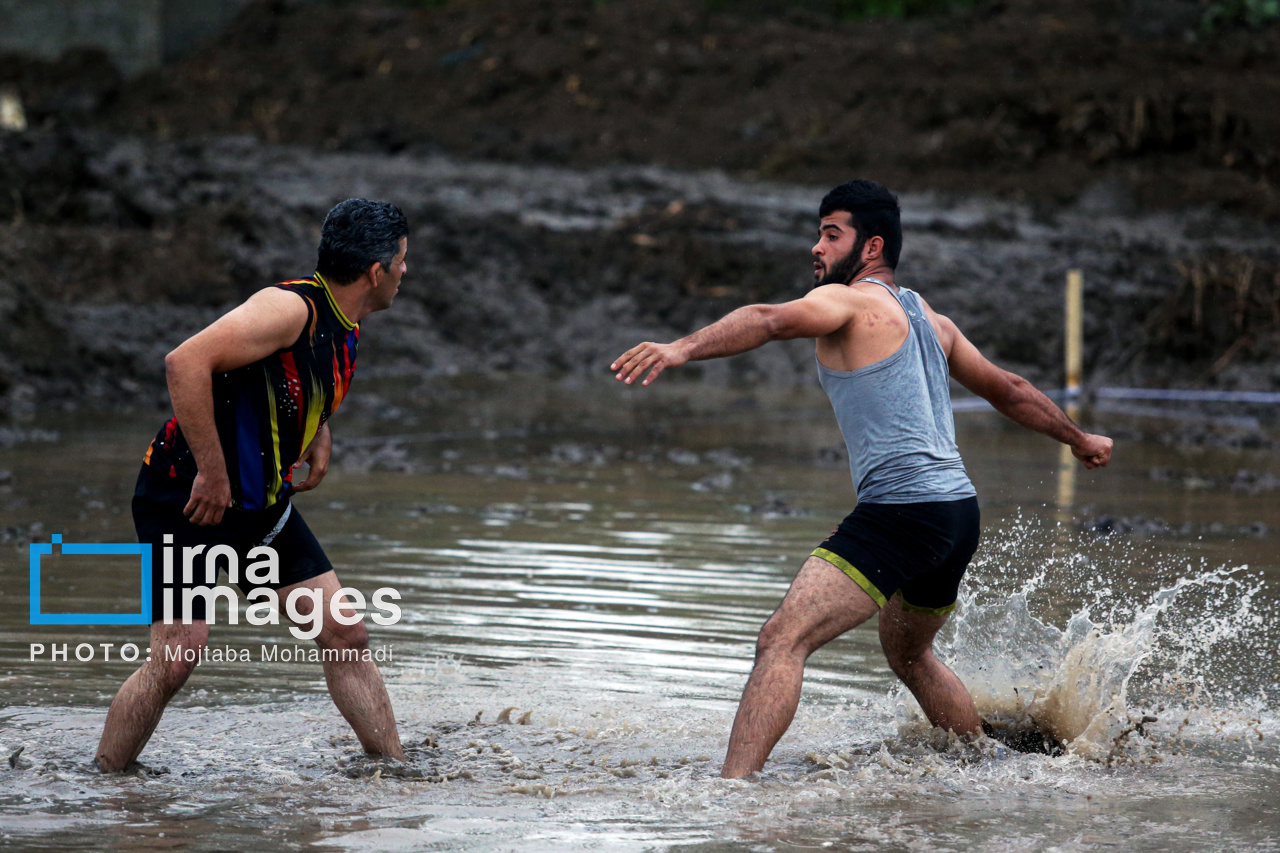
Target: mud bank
[(1019, 98), (123, 246)]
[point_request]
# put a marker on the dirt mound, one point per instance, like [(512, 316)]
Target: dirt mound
[(557, 270), (1024, 98), (152, 204)]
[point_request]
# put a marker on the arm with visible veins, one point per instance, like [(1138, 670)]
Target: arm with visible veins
[(1016, 398), (739, 331), (819, 313)]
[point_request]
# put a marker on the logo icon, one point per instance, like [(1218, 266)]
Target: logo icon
[(143, 552)]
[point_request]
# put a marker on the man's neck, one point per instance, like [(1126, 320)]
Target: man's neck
[(351, 299), (880, 272)]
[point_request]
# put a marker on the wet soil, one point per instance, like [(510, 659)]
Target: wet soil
[(556, 270), (136, 210), (1022, 98)]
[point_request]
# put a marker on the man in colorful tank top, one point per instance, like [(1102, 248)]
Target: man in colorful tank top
[(252, 396), (884, 358)]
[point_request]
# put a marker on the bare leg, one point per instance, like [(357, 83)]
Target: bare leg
[(822, 604), (355, 685), (907, 638), (138, 705)]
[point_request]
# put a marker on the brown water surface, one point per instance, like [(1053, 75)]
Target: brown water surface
[(599, 559)]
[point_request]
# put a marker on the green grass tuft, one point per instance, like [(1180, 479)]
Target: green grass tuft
[(1254, 14)]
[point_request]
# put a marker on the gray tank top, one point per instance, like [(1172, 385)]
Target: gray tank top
[(896, 418)]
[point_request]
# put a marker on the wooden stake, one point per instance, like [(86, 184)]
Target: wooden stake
[(1066, 483), (1075, 331)]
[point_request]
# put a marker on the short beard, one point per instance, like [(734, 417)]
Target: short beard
[(847, 268)]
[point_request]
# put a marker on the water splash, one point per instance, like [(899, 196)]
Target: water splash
[(1190, 644)]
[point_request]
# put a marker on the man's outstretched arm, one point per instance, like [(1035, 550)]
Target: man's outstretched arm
[(1017, 399), (821, 312)]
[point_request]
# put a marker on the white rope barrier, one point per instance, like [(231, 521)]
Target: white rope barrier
[(1186, 395)]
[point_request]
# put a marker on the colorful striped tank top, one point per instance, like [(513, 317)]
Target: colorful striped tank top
[(267, 412)]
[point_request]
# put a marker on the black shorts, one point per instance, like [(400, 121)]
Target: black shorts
[(157, 510), (918, 549)]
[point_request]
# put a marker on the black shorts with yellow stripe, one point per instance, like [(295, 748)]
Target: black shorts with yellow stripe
[(918, 549)]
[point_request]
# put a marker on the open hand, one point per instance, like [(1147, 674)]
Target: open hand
[(1094, 451), (648, 356)]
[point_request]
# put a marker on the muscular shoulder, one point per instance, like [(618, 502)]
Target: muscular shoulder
[(852, 299), (271, 318), (832, 293), (280, 301), (943, 327), (875, 306)]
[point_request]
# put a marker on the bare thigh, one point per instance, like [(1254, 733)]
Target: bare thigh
[(822, 604), (907, 636)]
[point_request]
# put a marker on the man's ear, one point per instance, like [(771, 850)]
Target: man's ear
[(372, 272), (873, 248)]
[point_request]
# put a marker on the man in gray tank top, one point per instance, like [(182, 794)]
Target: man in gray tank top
[(884, 358)]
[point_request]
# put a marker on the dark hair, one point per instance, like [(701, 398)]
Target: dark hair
[(873, 210), (356, 234)]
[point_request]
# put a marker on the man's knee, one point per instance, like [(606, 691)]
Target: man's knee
[(345, 636), (900, 665), (176, 674), (907, 639), (776, 637), (173, 665), (906, 664), (175, 653)]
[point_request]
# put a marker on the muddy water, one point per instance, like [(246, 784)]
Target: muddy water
[(583, 570)]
